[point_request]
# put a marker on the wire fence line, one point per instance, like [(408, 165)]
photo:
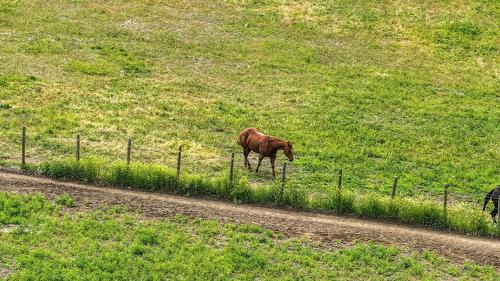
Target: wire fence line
[(260, 188), (179, 159), (191, 162), (286, 189)]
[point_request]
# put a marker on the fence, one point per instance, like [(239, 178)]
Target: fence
[(231, 165), (133, 173)]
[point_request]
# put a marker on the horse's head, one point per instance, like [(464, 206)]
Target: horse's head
[(288, 150)]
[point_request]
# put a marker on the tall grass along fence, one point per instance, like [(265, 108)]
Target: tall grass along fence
[(235, 187)]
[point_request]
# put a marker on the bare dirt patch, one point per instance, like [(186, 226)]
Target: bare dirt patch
[(7, 228), (4, 272), (326, 228)]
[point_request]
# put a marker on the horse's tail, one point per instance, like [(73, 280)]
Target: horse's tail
[(242, 139)]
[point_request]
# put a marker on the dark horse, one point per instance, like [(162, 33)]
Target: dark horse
[(493, 195), (266, 146)]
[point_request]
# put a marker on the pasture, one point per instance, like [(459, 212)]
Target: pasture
[(378, 89)]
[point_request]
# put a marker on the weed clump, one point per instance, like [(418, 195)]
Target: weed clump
[(66, 200)]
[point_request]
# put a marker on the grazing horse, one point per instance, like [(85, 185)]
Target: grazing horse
[(266, 146), (493, 195)]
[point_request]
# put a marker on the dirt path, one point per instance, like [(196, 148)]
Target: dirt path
[(324, 227)]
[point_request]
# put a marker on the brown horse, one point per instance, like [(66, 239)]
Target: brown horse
[(253, 140)]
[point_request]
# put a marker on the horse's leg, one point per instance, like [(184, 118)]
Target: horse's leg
[(260, 161), (245, 156), (494, 212), (272, 164), (247, 162)]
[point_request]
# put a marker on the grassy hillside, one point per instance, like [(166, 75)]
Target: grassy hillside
[(407, 88), (41, 241)]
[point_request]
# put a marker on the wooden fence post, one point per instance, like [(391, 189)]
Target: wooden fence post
[(78, 148), (340, 181), (445, 203), (231, 170), (394, 186), (129, 150), (283, 180), (179, 156), (23, 148)]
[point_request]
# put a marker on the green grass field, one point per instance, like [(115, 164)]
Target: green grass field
[(406, 88), (41, 240)]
